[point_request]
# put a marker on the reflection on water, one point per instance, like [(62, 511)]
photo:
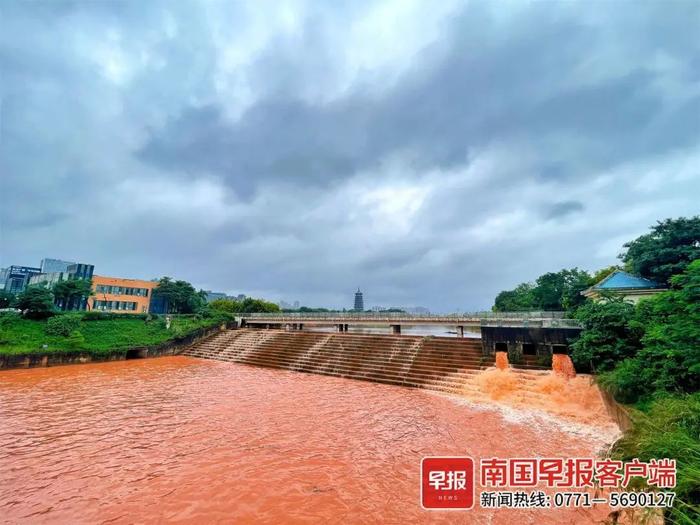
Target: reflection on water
[(196, 441), (423, 329)]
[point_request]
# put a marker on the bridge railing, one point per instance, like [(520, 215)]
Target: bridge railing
[(399, 315)]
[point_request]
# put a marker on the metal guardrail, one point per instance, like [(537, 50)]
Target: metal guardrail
[(401, 315), (549, 317)]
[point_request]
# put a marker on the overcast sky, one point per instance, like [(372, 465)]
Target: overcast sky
[(431, 153)]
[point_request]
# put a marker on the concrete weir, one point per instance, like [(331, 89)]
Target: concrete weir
[(435, 363)]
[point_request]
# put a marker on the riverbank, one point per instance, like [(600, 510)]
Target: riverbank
[(26, 343)]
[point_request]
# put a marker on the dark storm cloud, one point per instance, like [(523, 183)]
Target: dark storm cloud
[(562, 209), (470, 95), (282, 151)]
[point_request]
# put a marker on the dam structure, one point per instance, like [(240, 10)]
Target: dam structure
[(395, 320), (434, 363)]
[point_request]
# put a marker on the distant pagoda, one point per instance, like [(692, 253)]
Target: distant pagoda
[(359, 301)]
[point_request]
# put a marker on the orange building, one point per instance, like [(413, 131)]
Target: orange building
[(113, 294)]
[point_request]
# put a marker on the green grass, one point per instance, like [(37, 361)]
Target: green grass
[(99, 337), (669, 427)]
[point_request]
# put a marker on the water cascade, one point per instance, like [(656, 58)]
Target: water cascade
[(563, 366), (502, 360), (559, 392)]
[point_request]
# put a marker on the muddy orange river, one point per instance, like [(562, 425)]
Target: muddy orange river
[(181, 440)]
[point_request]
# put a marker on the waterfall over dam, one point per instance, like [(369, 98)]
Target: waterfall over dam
[(433, 363)]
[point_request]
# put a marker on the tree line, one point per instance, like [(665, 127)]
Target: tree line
[(659, 255), (172, 296), (647, 354)]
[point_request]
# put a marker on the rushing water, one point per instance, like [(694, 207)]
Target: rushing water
[(193, 441), (562, 365)]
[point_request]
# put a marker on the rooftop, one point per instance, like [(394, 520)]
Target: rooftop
[(623, 280)]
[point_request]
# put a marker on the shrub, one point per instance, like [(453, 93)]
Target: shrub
[(76, 340), (36, 302), (669, 357), (7, 299), (671, 354), (96, 315), (626, 382), (124, 315), (515, 357), (670, 428), (609, 335), (8, 317), (62, 325), (545, 360)]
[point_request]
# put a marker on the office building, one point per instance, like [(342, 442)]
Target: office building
[(54, 265), (213, 296), (114, 294), (16, 278), (73, 271)]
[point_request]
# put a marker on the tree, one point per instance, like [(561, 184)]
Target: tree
[(575, 281), (225, 305), (36, 302), (552, 291), (250, 305), (180, 297), (70, 294), (668, 250), (670, 358), (515, 300), (247, 305), (548, 291), (609, 335), (7, 299)]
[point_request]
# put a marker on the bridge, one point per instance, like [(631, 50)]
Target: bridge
[(341, 320)]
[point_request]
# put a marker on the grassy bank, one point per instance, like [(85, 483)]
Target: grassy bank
[(668, 426), (94, 334)]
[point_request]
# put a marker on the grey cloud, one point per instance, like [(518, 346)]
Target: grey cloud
[(448, 104), (559, 210), (510, 121)]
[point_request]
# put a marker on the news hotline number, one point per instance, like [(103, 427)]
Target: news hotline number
[(449, 483)]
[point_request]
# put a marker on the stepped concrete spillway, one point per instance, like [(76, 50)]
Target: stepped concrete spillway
[(434, 363)]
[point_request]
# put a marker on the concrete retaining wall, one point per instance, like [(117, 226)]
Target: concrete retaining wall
[(617, 411)]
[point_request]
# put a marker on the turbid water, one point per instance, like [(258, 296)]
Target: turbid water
[(184, 440)]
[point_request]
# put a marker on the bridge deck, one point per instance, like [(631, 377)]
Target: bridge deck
[(533, 319)]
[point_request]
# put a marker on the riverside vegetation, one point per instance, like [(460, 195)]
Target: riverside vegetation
[(647, 355), (41, 326), (96, 335)]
